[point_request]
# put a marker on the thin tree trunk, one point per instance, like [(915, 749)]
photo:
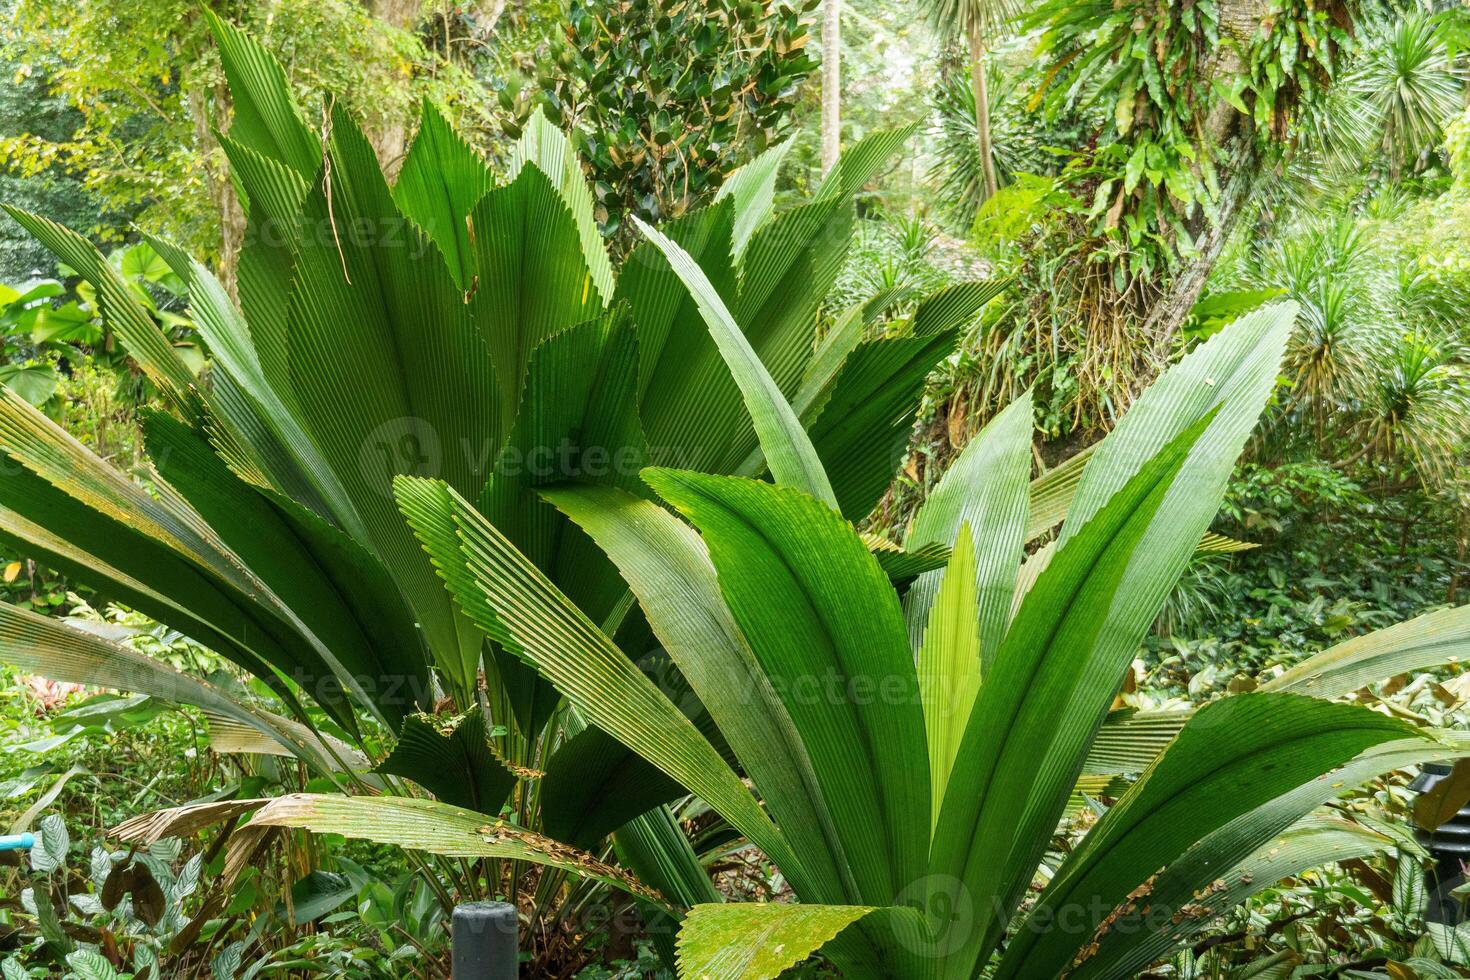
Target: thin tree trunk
[(831, 84), (1462, 535), (390, 139), (979, 85), (1224, 127), (217, 182), (1173, 308)]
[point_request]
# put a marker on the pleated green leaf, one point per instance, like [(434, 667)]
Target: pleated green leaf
[(1235, 755), (270, 191), (752, 188), (389, 371), (112, 555), (986, 489), (162, 516), (577, 422), (243, 435), (1233, 372), (657, 850), (789, 266), (955, 307), (272, 195), (534, 279), (34, 441), (668, 568), (949, 664), (747, 941), (1242, 839), (861, 162), (368, 588), (453, 761), (690, 404), (1052, 493), (1023, 748), (825, 626), (593, 786), (903, 566), (439, 184), (265, 117), (260, 537), (839, 340), (48, 647), (787, 270), (1426, 641), (142, 338), (548, 148), (788, 449), (505, 595), (1206, 406), (1129, 742), (863, 430), (1311, 843), (260, 415), (424, 825)]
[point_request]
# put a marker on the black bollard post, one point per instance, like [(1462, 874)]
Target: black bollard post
[(486, 941), (1450, 845)]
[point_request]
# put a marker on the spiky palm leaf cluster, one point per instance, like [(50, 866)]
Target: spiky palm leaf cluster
[(469, 327), (1379, 353), (1409, 85), (1418, 405), (1404, 85), (1016, 139)]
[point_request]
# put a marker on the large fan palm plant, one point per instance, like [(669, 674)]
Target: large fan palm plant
[(915, 749), (454, 326), (908, 750), (900, 730)]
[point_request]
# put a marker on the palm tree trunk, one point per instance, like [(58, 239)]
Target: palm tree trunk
[(979, 85), (831, 83)]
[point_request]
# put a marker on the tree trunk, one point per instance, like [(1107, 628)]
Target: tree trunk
[(1231, 132), (1462, 538), (980, 86), (831, 84), (390, 138), (1173, 308), (217, 182)]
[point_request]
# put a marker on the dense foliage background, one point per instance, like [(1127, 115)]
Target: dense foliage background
[(1159, 169)]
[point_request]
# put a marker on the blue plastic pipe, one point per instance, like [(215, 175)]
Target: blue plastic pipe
[(18, 842)]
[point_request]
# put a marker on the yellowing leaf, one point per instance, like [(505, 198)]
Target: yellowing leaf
[(757, 942)]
